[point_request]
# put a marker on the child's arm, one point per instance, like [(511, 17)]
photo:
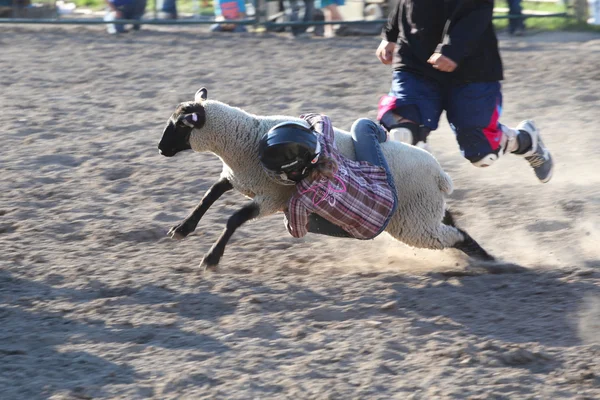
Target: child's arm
[(474, 18), (296, 218), (391, 30)]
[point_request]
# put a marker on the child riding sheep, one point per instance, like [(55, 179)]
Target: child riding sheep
[(420, 220)]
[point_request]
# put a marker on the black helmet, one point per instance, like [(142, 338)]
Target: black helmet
[(287, 151)]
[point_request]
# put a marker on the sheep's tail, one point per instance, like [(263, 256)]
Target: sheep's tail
[(445, 183)]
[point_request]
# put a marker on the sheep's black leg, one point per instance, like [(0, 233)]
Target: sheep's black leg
[(448, 219), (468, 245), (246, 213), (189, 224), (471, 248)]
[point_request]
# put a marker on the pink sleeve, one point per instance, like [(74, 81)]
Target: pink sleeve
[(297, 218)]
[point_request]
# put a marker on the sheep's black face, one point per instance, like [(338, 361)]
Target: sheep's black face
[(176, 136)]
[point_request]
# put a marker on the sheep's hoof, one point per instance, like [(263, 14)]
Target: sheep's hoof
[(211, 260), (178, 232)]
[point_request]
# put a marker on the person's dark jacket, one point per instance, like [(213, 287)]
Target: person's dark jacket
[(417, 28)]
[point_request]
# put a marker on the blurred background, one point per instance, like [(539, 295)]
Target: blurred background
[(275, 14)]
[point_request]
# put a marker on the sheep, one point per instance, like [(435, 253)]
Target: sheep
[(203, 125)]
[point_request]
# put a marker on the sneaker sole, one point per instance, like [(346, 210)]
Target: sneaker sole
[(548, 177), (532, 124)]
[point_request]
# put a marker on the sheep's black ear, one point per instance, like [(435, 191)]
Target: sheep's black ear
[(201, 95)]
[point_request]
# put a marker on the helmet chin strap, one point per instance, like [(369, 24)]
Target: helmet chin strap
[(315, 158), (317, 154), (283, 176)]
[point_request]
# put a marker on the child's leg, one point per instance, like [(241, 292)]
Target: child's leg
[(473, 112), (367, 135), (411, 109)]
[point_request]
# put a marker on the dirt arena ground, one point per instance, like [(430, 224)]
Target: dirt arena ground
[(97, 303)]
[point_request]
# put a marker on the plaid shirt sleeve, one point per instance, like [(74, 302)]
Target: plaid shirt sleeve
[(296, 218), (319, 122)]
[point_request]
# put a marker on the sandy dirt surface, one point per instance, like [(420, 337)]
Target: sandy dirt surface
[(97, 303)]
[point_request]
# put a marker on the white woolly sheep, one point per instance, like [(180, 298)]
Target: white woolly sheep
[(421, 219)]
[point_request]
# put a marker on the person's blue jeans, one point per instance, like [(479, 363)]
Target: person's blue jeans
[(514, 8), (366, 136)]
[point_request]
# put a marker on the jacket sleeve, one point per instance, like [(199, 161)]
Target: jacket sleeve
[(391, 30), (296, 218), (465, 32)]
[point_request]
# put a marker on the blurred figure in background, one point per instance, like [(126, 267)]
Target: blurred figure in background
[(168, 9), (124, 9), (295, 15), (516, 26), (229, 10), (331, 11), (309, 10)]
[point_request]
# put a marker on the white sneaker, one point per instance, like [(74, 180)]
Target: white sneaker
[(538, 157)]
